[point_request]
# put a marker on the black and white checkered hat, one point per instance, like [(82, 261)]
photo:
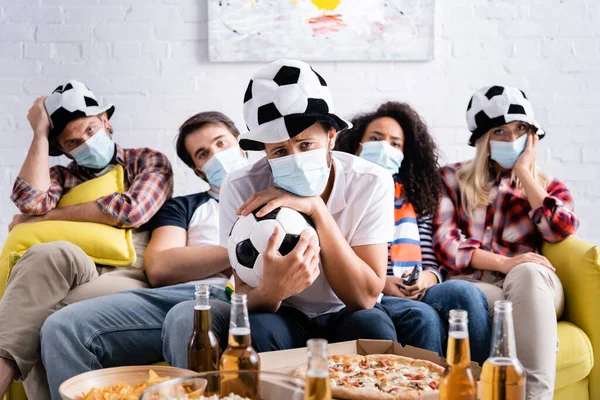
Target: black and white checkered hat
[(68, 102), (493, 106), (282, 100)]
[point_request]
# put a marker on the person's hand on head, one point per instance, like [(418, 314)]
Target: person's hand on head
[(286, 276), (38, 118), (527, 159)]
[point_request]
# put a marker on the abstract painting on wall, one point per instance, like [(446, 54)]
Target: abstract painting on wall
[(320, 30)]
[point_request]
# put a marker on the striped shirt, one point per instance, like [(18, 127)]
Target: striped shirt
[(148, 184), (425, 232), (430, 261)]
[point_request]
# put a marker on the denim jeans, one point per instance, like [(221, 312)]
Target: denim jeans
[(424, 324), (125, 328), (289, 328), (285, 329)]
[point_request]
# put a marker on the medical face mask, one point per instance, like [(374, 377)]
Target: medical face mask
[(96, 152), (381, 153), (507, 153), (222, 163), (304, 174)]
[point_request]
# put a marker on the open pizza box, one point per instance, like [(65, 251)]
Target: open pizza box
[(286, 361)]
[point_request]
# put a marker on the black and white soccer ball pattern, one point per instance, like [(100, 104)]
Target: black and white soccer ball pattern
[(281, 93), (71, 101), (493, 106), (249, 237)]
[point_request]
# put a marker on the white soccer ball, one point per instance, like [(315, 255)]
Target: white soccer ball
[(249, 237)]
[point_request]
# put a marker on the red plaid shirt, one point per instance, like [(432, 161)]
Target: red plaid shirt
[(507, 226), (148, 184)]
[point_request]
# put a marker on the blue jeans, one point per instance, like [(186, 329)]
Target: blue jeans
[(121, 329), (424, 324), (285, 329), (289, 328)]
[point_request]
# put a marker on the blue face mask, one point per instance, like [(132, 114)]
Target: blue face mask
[(507, 153), (382, 154), (304, 174), (96, 152), (222, 163)]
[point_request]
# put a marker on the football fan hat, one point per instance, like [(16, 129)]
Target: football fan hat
[(493, 106), (282, 100), (67, 103)]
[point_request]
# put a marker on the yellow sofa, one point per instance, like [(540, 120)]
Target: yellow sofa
[(578, 368), (578, 376)]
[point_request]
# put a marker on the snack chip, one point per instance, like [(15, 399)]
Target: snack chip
[(124, 391)]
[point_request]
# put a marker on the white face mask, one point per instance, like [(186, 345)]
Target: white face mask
[(381, 153), (304, 174), (96, 152), (222, 163), (507, 153)]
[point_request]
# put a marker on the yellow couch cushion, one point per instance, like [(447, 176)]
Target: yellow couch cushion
[(576, 391), (578, 267), (109, 183), (16, 392), (575, 357), (104, 244)]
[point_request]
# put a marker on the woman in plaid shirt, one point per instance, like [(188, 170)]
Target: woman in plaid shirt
[(494, 214), (395, 137)]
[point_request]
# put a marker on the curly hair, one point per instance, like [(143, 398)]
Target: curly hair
[(420, 168)]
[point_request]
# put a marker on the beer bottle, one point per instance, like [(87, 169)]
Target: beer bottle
[(239, 355), (203, 347), (458, 383), (503, 377), (317, 386)]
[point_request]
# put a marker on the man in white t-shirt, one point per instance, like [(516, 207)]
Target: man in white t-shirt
[(126, 328), (326, 287)]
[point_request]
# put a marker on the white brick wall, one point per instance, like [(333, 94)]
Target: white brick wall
[(149, 58)]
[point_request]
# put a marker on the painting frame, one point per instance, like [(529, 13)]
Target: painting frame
[(321, 30)]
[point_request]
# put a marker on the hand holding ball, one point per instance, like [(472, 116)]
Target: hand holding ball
[(250, 235)]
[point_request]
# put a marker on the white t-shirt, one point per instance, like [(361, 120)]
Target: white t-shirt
[(199, 215), (361, 203)]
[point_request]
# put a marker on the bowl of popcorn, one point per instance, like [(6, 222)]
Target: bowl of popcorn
[(124, 383), (230, 385)]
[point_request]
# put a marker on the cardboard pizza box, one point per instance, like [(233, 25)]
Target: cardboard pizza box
[(286, 361)]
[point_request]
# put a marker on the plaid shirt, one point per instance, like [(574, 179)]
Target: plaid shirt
[(148, 184), (507, 226)]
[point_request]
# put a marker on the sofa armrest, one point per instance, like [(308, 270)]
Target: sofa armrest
[(577, 265)]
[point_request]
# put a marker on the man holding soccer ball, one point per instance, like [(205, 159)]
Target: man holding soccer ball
[(326, 286)]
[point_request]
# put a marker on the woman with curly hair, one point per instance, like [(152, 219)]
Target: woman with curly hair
[(395, 137)]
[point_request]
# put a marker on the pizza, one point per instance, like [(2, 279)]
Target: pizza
[(380, 376)]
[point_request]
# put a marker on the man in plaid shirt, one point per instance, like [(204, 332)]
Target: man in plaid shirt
[(71, 122)]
